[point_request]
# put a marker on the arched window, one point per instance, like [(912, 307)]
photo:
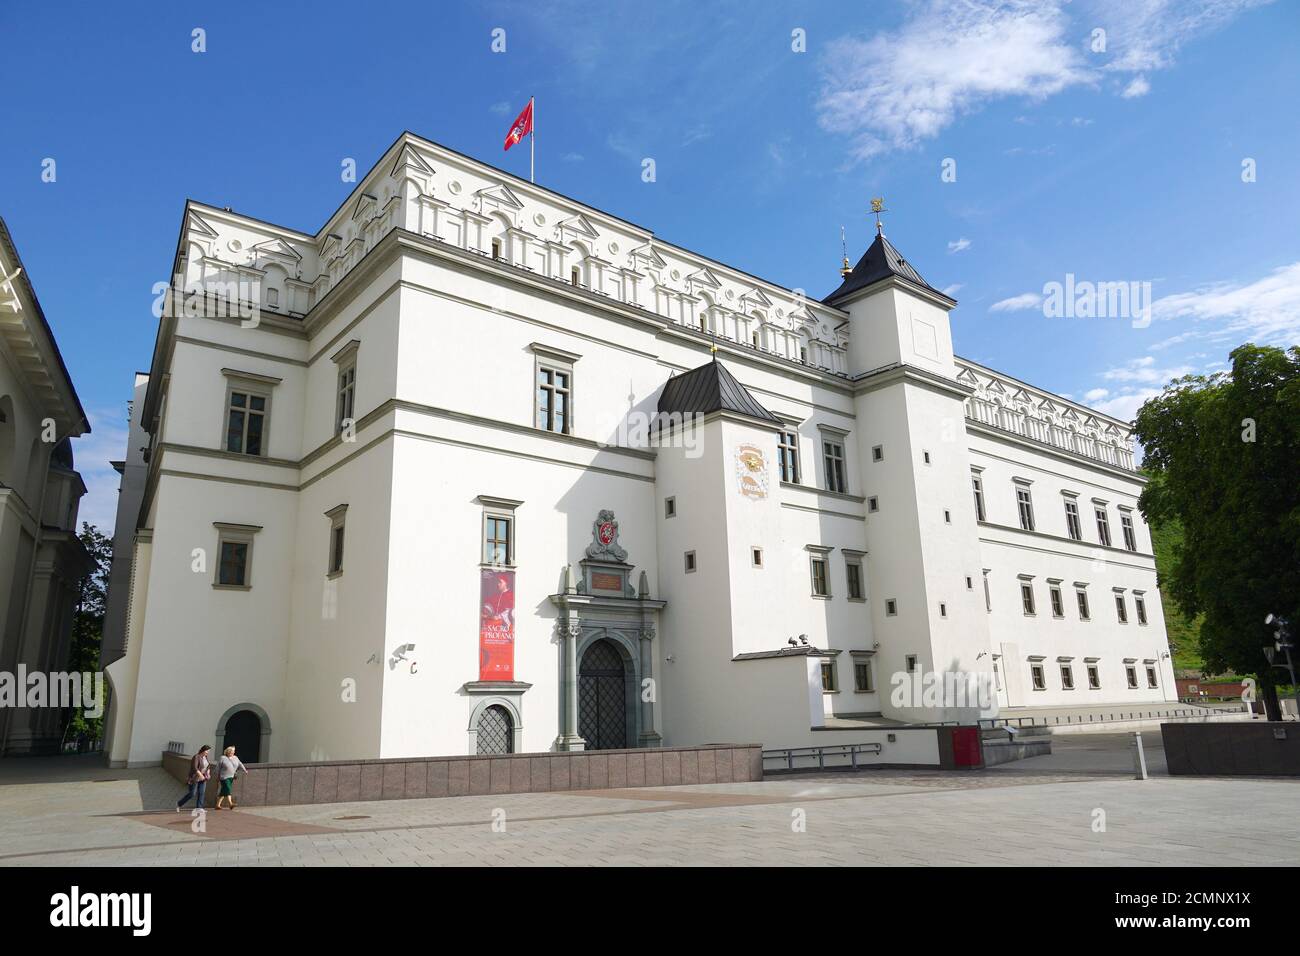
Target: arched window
[(496, 731)]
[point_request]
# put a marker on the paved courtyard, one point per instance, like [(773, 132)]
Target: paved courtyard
[(71, 811)]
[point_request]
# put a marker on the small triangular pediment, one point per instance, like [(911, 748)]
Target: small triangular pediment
[(704, 278), (580, 225), (198, 225), (756, 296), (501, 196), (650, 256), (276, 248), (1091, 422), (968, 377), (1069, 415), (331, 245), (409, 161), (996, 386), (1022, 396), (364, 207)]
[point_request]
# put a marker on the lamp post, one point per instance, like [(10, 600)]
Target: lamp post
[(1282, 642)]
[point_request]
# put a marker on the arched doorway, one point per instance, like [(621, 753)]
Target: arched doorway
[(244, 733), (496, 731), (602, 697)]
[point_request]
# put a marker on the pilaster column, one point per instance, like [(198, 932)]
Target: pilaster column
[(649, 737), (569, 738)]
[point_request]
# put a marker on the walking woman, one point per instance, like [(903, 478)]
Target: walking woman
[(227, 767), (200, 771)]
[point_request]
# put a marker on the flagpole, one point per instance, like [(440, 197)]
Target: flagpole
[(532, 141)]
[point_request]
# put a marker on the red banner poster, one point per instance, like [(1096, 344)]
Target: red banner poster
[(496, 629)]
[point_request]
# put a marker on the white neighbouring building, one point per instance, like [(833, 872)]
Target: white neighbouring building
[(429, 437)]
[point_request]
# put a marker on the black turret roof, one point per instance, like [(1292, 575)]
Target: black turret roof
[(711, 388), (880, 261)]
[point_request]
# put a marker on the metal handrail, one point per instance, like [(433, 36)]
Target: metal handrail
[(789, 754), (1179, 713)]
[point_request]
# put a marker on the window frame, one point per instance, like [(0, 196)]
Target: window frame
[(1067, 675), (863, 661), (1140, 607), (1128, 529), (253, 385), (819, 556), (234, 534), (828, 669), (1121, 607), (345, 389), (1056, 598), (1094, 675), (1028, 603), (1102, 515), (853, 569), (977, 486), (787, 455), (1081, 601), (1073, 522), (498, 509), (835, 463), (1024, 505), (337, 540), (1037, 675), (557, 361), (1131, 674)]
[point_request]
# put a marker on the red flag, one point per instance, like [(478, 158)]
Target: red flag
[(523, 125)]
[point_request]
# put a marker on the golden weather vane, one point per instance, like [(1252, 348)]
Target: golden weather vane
[(844, 250), (877, 207)]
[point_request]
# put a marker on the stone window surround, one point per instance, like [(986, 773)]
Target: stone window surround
[(506, 694), (494, 507), (228, 532), (864, 658), (338, 519), (818, 552), (251, 383), (346, 359), (558, 360), (855, 558)]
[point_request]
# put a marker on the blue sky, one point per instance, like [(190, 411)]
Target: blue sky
[(1115, 164)]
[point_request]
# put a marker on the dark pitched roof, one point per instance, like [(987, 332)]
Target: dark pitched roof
[(880, 261), (711, 388)]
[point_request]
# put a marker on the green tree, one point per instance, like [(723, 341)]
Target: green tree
[(1224, 455), (88, 624)]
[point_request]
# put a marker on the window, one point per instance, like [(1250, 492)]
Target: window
[(1140, 605), (1081, 596), (1067, 676), (926, 456), (891, 607), (862, 677), (820, 587), (943, 609), (873, 503), (947, 516), (1072, 526), (553, 395), (1151, 676), (1094, 677), (1130, 535), (977, 485), (234, 555), (1025, 505), (347, 396), (877, 452), (575, 276), (1058, 603), (753, 338), (988, 596), (670, 507), (497, 539), (756, 557), (833, 454), (1040, 679), (690, 562), (910, 663), (1130, 671), (828, 677), (1121, 609), (787, 456), (273, 298), (853, 575), (334, 566), (803, 354), (1027, 596), (246, 423), (496, 248), (970, 585), (1103, 525)]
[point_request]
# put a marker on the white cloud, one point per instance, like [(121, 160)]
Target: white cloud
[(1138, 86), (1145, 371), (1125, 406), (501, 109), (91, 456), (1095, 394), (951, 290), (895, 90), (571, 158), (1266, 311), (1018, 303), (948, 59), (961, 245)]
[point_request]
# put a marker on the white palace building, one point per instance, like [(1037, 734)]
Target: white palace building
[(477, 468)]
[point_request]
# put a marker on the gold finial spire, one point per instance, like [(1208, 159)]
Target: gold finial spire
[(844, 249), (877, 207)]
